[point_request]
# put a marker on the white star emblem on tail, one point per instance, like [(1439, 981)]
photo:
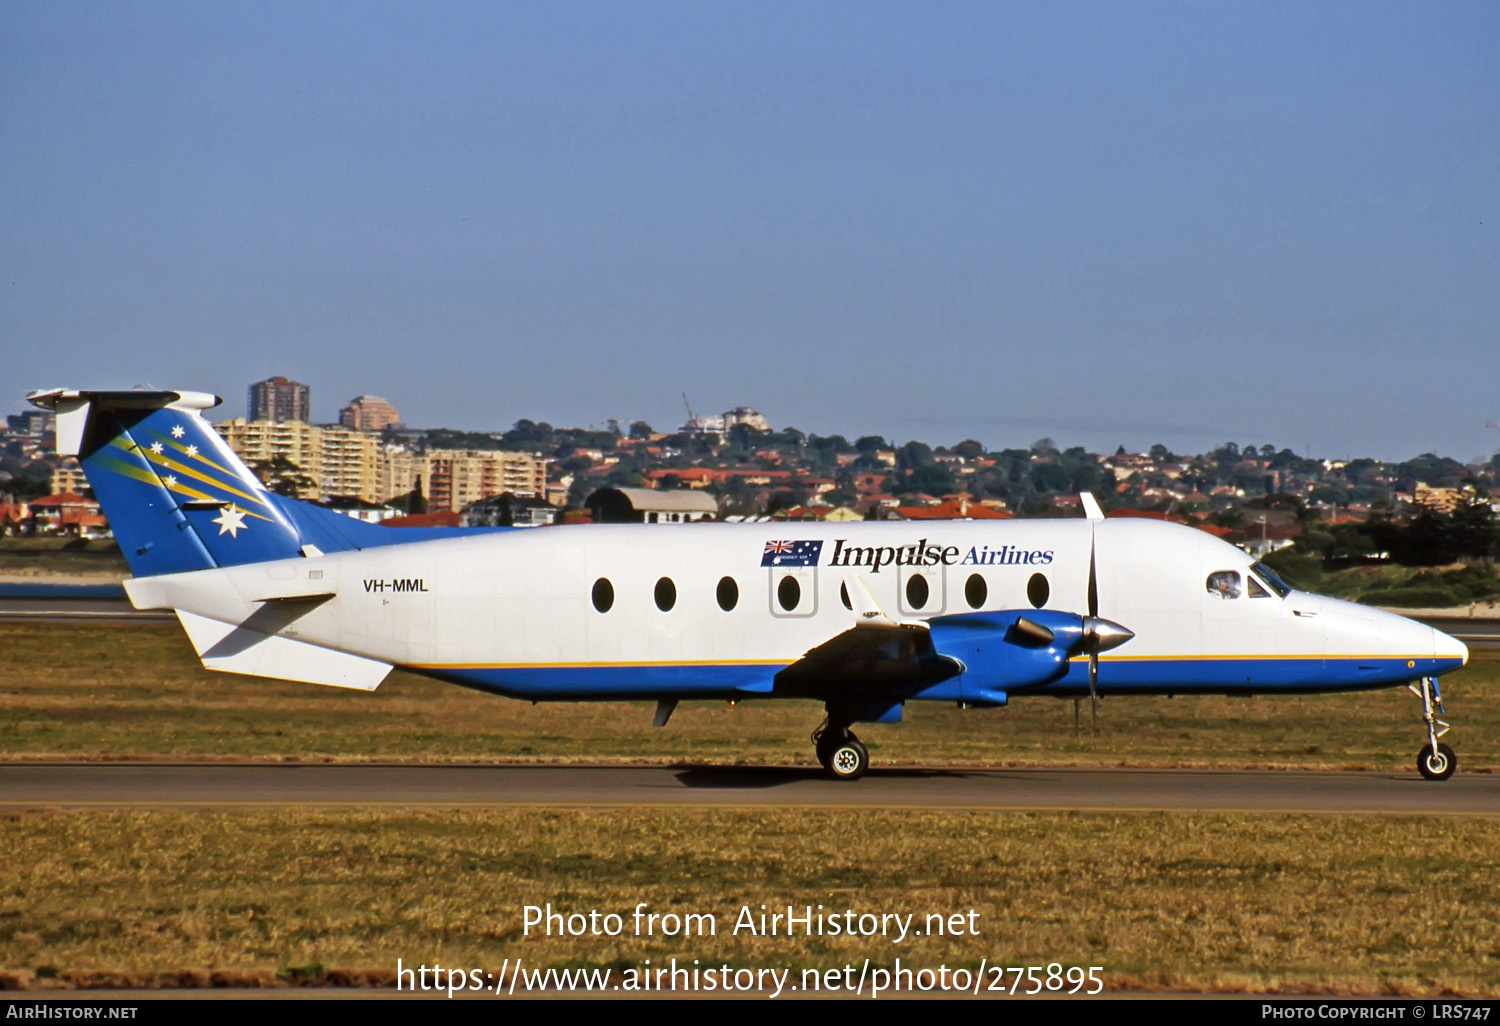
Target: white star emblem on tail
[(177, 431), (231, 521)]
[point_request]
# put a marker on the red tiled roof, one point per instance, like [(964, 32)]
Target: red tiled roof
[(440, 518), (63, 499), (953, 510)]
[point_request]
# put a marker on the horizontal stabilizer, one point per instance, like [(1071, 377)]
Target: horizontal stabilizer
[(237, 649), (311, 598)]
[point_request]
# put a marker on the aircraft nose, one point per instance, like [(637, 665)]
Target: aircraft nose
[(1445, 646)]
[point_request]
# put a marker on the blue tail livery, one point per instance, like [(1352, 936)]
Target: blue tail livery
[(178, 498)]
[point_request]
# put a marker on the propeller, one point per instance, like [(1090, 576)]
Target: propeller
[(1091, 634), (1099, 634)]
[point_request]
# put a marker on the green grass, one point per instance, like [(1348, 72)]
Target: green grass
[(1410, 587), (104, 692), (1178, 901), (50, 556)]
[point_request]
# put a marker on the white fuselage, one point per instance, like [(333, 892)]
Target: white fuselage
[(515, 611)]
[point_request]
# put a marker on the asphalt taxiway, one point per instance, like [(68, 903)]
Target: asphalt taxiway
[(252, 785)]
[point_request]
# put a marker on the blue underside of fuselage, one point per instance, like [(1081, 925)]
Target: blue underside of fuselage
[(1123, 677)]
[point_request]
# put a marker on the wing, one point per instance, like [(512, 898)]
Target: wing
[(877, 653)]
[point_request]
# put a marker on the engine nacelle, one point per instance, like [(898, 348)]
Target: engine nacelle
[(1007, 650)]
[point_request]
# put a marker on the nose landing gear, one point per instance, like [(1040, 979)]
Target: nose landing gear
[(1434, 761)]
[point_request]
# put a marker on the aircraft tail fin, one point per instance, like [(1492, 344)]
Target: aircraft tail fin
[(176, 496)]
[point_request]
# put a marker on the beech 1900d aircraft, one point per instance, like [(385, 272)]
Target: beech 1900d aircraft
[(863, 617)]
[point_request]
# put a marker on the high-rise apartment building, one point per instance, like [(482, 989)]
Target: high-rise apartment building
[(369, 413), (261, 443), (457, 477), (329, 461), (397, 472), (348, 463), (279, 400)]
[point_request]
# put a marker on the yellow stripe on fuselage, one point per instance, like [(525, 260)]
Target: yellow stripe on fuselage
[(608, 664), (600, 665)]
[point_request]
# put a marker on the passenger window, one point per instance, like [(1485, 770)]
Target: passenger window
[(604, 594), (1255, 589), (976, 591), (917, 591), (1224, 584), (666, 594), (1037, 591), (728, 594), (789, 593)]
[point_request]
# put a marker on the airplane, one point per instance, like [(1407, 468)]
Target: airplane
[(863, 617)]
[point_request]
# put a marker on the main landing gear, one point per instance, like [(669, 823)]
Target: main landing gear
[(840, 752), (1434, 761)]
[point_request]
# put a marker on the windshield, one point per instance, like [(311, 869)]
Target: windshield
[(1275, 583)]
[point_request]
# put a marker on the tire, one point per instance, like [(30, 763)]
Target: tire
[(1440, 767), (826, 744), (848, 760)]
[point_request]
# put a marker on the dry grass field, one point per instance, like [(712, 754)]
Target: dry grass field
[(1360, 905), (1295, 904)]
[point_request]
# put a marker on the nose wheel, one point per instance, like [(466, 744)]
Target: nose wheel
[(841, 753), (1437, 765), (1435, 761)]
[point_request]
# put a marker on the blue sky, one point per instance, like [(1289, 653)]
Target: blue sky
[(1105, 223)]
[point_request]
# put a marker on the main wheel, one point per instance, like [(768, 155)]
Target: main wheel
[(825, 746), (1436, 767), (848, 759), (827, 739)]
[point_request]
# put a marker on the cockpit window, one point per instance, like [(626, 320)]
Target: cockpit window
[(1255, 588), (1275, 583), (1224, 584)]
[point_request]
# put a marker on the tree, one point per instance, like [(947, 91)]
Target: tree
[(1473, 528), (641, 431), (528, 434), (913, 455), (625, 474), (743, 437), (1050, 477), (933, 479), (284, 477)]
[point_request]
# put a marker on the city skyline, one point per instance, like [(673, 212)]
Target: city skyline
[(1109, 226), (222, 415)]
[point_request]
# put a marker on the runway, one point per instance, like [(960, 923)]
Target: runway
[(223, 786), (53, 608)]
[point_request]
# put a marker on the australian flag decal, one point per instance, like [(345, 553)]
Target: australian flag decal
[(791, 553)]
